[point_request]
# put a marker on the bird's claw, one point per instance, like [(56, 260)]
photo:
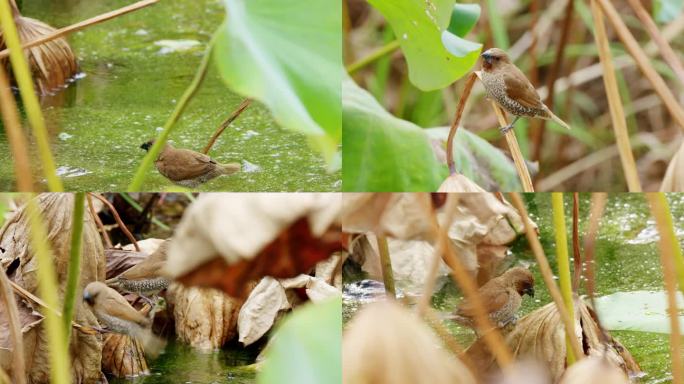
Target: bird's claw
[(506, 129)]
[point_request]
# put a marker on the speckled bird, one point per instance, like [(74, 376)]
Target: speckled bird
[(117, 315), (509, 87), (188, 168), (145, 278), (501, 297)]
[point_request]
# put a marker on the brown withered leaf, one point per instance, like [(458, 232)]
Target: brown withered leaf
[(385, 343), (123, 356), (226, 241), (459, 183)]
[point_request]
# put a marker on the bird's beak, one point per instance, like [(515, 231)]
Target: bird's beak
[(529, 291), (146, 146), (486, 57), (88, 298)]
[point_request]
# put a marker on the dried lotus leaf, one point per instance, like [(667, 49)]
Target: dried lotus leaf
[(123, 356)]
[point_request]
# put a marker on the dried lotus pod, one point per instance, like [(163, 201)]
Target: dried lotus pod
[(123, 356), (52, 63)]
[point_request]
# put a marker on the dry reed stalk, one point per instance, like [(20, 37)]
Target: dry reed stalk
[(119, 222), (665, 49), (514, 148), (15, 135), (490, 334), (100, 226), (468, 86), (18, 363), (617, 112), (576, 255), (55, 34), (547, 274), (641, 59), (236, 113), (386, 266), (598, 204), (669, 245)]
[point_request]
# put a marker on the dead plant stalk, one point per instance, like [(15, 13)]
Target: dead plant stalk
[(18, 364)]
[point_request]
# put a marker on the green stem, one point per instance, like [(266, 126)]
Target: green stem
[(141, 173), (22, 74), (74, 264), (374, 56), (386, 264), (138, 208), (497, 26), (47, 286), (563, 262)]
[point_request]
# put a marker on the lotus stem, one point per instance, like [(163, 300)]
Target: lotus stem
[(48, 288), (374, 56), (15, 135), (100, 226), (670, 252), (562, 259), (470, 81), (547, 275), (22, 73), (74, 264), (119, 222), (143, 169), (236, 113), (386, 266), (617, 112)]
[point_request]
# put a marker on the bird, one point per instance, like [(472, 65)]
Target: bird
[(501, 297), (509, 87), (144, 279), (188, 168), (117, 315)]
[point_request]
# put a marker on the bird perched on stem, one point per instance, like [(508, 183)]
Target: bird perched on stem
[(509, 87), (188, 168), (117, 315), (145, 278), (501, 297)]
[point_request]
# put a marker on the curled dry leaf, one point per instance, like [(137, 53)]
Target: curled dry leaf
[(459, 183), (204, 318), (30, 322), (330, 270), (228, 240), (594, 370), (540, 336), (123, 356), (398, 215), (385, 343), (53, 63), (21, 265), (674, 176)]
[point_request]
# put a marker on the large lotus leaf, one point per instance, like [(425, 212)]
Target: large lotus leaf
[(307, 347), (383, 152), (637, 311), (436, 57), (480, 161), (463, 18), (288, 55)]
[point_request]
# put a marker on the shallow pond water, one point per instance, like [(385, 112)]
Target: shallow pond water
[(182, 364), (627, 260), (134, 69)]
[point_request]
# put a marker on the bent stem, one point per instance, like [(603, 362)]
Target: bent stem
[(100, 226), (74, 264), (617, 112), (119, 222), (669, 253), (241, 108), (48, 288), (562, 260), (386, 266), (374, 56), (470, 81), (143, 169), (15, 135), (547, 274), (22, 74)]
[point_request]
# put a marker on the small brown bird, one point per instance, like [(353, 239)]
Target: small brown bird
[(188, 168), (501, 297), (509, 87), (117, 315), (145, 278)]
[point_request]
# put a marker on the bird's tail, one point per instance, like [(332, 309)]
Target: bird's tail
[(152, 344), (556, 118), (230, 168)]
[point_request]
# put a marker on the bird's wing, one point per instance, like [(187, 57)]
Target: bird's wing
[(183, 164), (493, 298), (520, 89), (116, 305), (150, 266)]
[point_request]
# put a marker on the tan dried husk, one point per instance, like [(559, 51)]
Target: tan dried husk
[(123, 356), (53, 63), (540, 336), (385, 343), (56, 212), (673, 181), (205, 318)]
